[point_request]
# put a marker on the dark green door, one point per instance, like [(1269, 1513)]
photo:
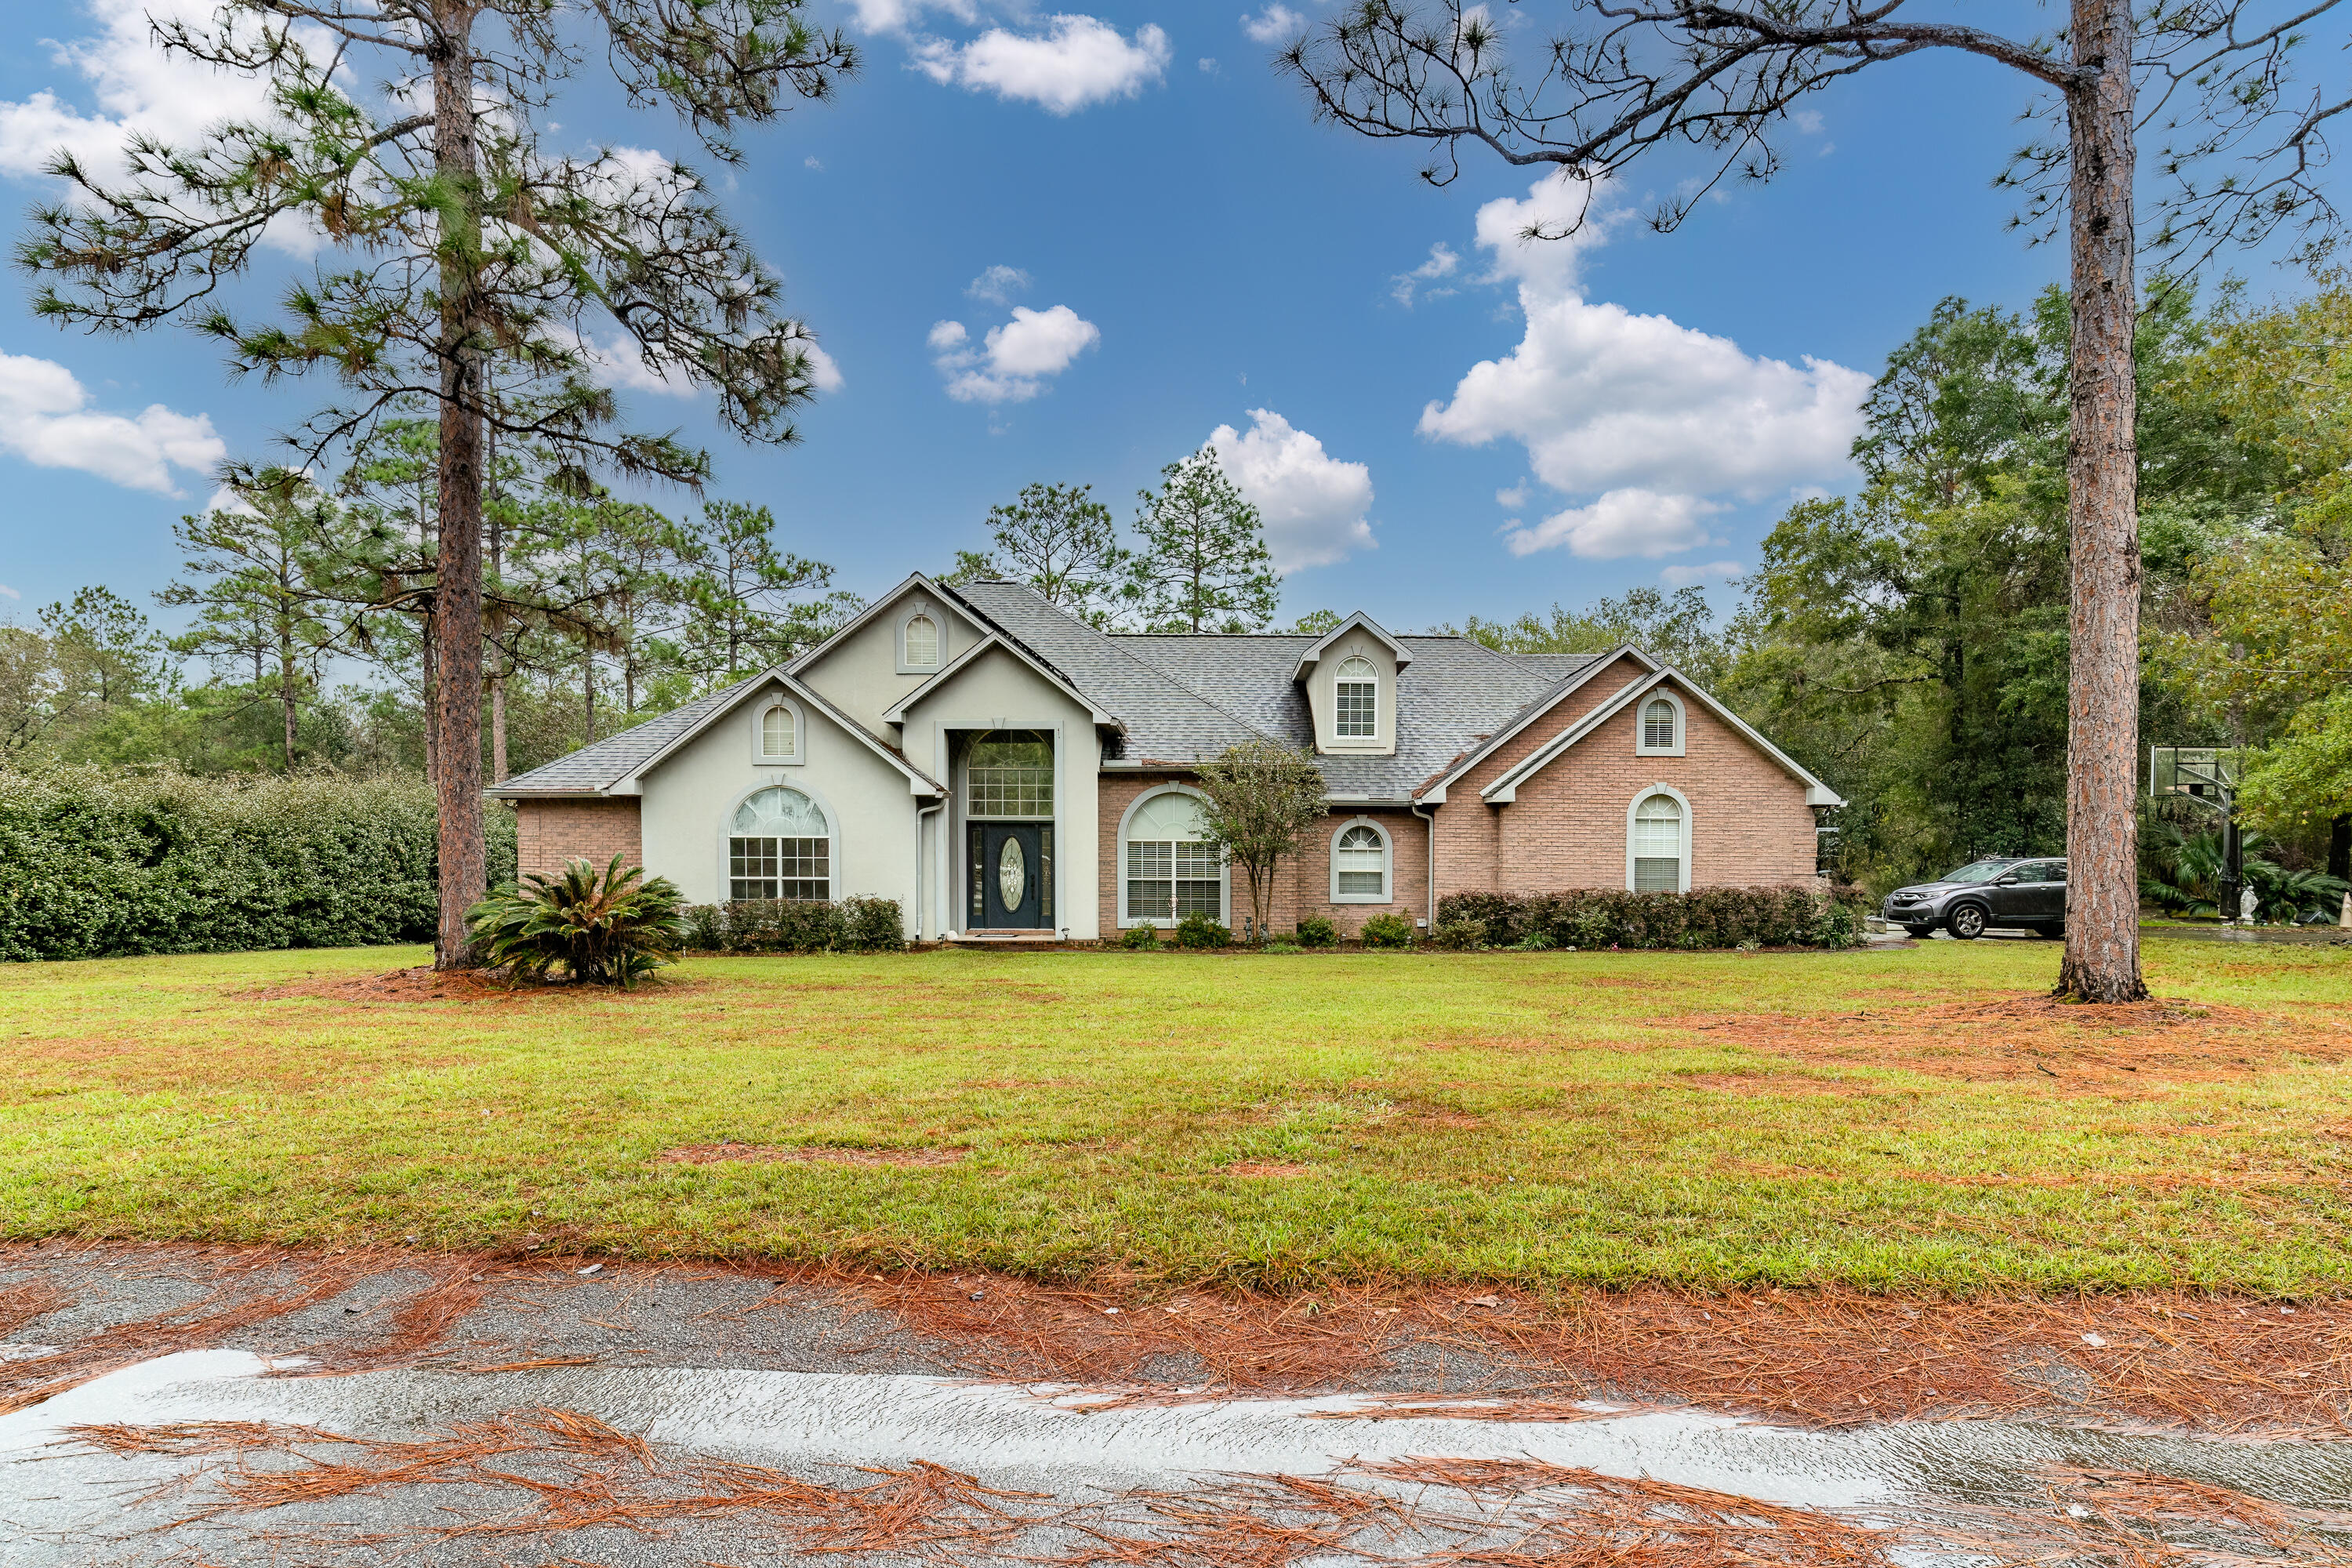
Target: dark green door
[(1012, 876)]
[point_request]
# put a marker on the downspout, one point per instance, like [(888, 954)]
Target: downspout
[(922, 864), (1429, 838)]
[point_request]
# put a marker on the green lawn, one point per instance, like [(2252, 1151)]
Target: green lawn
[(1602, 1117)]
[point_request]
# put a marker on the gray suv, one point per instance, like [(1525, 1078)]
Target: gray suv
[(1996, 891)]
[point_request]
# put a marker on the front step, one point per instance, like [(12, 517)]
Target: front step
[(1004, 939)]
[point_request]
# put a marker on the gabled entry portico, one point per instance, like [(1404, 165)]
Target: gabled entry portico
[(1004, 782)]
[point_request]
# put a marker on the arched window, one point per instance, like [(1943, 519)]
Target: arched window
[(780, 846), (1167, 871), (922, 643), (1660, 849), (1661, 734), (779, 736), (1359, 712), (1359, 865)]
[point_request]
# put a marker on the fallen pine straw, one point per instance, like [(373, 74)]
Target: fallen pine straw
[(22, 1303)]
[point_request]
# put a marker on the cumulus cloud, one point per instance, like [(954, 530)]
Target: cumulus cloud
[(8, 592), (898, 16), (1312, 503), (1713, 571), (1640, 421), (1075, 62), (626, 367), (1443, 259), (1015, 361), (999, 285), (45, 419), (1277, 23)]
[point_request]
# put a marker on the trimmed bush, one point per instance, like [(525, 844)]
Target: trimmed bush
[(1458, 936), (793, 925), (1199, 930), (99, 865), (1706, 917), (1317, 930), (1140, 939), (1388, 931), (608, 927)]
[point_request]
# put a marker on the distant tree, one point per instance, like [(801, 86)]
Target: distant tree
[(2243, 146), (480, 263), (105, 653), (264, 572), (1060, 541), (1259, 799), (1203, 564), (748, 605), (1679, 627), (1314, 623)]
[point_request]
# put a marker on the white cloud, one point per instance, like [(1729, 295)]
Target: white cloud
[(44, 420), (1077, 61), (626, 367), (1277, 23), (812, 161), (8, 592), (1443, 261), (1640, 420), (135, 87), (1713, 571), (1312, 503), (1013, 362), (898, 16), (1208, 65), (1620, 522), (1512, 499), (998, 285)]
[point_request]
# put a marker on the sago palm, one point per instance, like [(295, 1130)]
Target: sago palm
[(604, 928)]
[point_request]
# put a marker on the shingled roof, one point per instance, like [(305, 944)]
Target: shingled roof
[(598, 766)]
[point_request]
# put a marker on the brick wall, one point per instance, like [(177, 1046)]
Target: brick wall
[(1302, 883), (550, 832)]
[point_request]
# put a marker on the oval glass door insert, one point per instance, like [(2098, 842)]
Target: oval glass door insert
[(1012, 874)]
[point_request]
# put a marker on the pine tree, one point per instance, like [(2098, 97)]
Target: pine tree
[(1203, 566)]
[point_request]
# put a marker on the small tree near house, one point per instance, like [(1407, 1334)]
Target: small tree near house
[(1259, 799)]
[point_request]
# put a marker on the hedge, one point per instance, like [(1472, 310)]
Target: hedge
[(1708, 917), (99, 865), (793, 925)]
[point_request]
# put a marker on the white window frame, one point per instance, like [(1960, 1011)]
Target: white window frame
[(1387, 895), (1339, 677), (836, 873), (1683, 878), (1224, 869), (1642, 724), (923, 611), (760, 755)]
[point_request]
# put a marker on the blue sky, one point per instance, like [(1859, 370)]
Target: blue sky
[(1165, 247)]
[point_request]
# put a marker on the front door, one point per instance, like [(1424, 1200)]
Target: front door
[(1011, 873)]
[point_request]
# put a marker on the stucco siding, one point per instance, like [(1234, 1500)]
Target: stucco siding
[(858, 672)]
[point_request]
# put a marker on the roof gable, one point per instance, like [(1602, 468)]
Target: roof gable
[(938, 683), (1432, 792), (1358, 622)]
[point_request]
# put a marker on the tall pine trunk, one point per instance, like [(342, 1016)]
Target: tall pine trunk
[(457, 597), (286, 696), (2102, 960)]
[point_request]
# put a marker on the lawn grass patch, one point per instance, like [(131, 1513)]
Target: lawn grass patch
[(1899, 1120)]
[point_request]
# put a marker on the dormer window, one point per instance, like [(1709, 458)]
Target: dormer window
[(922, 643), (1357, 714)]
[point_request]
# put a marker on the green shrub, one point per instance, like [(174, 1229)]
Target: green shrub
[(1199, 930), (872, 925), (705, 929), (1706, 917), (98, 864), (1458, 936), (1317, 930), (1388, 931), (1140, 939), (602, 928), (1279, 945)]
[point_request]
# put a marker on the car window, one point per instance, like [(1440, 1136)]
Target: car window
[(2035, 871), (1979, 871)]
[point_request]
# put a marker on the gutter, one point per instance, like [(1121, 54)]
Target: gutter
[(1429, 838), (922, 864)]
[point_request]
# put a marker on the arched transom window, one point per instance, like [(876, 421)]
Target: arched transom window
[(777, 741), (1170, 872), (1359, 865), (1658, 725), (780, 846), (1359, 712), (1658, 844), (922, 643)]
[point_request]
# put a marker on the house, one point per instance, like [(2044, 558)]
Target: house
[(996, 766)]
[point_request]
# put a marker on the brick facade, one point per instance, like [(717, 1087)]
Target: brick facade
[(1749, 825), (1302, 883), (550, 832)]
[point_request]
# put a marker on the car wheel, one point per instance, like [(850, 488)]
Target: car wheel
[(1967, 922), (2055, 933)]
